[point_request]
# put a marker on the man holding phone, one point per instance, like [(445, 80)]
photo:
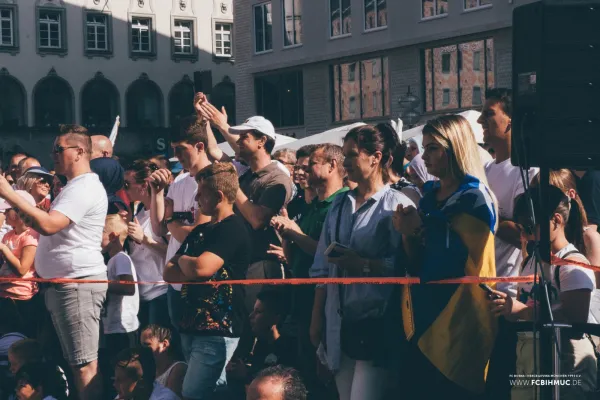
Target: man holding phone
[(176, 212)]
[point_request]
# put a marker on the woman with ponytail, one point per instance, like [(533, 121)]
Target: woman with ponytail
[(569, 292), (566, 181), (358, 240), (147, 249)]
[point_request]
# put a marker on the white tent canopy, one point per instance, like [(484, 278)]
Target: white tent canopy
[(470, 116), (334, 136)]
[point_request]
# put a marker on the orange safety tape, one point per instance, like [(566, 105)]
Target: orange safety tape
[(294, 281), (318, 281)]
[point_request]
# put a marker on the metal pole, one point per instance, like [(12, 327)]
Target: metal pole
[(556, 362)]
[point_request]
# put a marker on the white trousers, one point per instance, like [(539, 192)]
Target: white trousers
[(360, 380)]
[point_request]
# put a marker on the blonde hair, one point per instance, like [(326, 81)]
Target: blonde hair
[(454, 134), (115, 223), (26, 182)]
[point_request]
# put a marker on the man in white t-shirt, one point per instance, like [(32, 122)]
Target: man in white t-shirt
[(505, 181), (178, 214), (69, 247)]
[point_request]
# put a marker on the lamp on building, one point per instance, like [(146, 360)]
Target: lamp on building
[(409, 108)]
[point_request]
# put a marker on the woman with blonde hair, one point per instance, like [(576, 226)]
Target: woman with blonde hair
[(37, 181), (449, 328)]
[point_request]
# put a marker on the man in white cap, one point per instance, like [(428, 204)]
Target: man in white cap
[(264, 189)]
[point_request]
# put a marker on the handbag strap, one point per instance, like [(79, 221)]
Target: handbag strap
[(338, 222)]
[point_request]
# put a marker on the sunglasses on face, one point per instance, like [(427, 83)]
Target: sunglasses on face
[(58, 149), (43, 181)]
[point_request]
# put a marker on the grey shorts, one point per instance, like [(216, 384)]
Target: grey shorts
[(75, 310)]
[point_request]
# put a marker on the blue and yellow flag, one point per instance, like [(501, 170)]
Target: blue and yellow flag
[(452, 324)]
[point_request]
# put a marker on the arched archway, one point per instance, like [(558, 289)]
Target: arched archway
[(52, 102), (13, 103), (99, 103), (181, 99), (144, 104), (223, 95)]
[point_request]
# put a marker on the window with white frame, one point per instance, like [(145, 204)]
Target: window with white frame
[(97, 32), (263, 28), (141, 35), (7, 30), (223, 39), (340, 18), (433, 8), (292, 19), (375, 14), (469, 4), (49, 29), (183, 34)]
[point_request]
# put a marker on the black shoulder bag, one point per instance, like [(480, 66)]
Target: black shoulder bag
[(362, 339)]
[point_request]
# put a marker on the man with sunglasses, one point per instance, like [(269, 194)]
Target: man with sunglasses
[(13, 167), (70, 247)]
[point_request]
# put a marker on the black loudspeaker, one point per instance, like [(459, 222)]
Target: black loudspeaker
[(556, 84), (203, 82)]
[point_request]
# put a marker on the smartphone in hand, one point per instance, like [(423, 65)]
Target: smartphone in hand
[(489, 290), (333, 250)]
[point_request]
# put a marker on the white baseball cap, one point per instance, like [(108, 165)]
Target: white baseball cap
[(257, 123)]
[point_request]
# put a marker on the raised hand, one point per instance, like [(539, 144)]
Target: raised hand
[(214, 116), (160, 179)]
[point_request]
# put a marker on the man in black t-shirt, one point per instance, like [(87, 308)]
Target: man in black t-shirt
[(212, 315)]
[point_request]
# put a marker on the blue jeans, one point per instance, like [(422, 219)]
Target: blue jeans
[(207, 357)]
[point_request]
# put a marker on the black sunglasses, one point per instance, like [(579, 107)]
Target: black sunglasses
[(60, 149)]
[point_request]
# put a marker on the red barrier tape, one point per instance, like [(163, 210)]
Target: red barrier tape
[(321, 281), (295, 281)]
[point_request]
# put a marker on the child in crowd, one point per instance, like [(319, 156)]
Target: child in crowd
[(170, 371), (41, 381), (17, 253), (21, 355), (9, 334), (134, 377), (23, 352), (119, 318)]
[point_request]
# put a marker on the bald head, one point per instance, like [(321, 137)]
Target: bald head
[(27, 163), (101, 147)]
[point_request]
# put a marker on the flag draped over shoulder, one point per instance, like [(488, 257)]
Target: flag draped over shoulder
[(451, 324)]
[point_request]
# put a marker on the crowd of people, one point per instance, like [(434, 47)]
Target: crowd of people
[(136, 257)]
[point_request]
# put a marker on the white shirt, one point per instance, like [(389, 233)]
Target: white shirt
[(162, 393), (571, 277), (75, 252), (183, 193), (149, 264), (506, 183), (121, 311)]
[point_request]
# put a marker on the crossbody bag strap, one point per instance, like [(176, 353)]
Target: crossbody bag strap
[(338, 222), (557, 269)]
